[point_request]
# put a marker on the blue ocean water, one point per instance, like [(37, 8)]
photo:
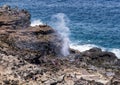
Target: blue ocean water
[(92, 23)]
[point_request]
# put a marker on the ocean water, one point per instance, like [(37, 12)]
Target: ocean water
[(85, 24)]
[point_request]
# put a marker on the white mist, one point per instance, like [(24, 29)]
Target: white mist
[(59, 23)]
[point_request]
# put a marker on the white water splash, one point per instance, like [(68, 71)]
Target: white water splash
[(36, 22), (59, 23), (85, 47), (117, 52), (82, 48)]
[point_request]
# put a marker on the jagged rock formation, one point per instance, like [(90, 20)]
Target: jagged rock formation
[(32, 42), (21, 39), (98, 57), (13, 18), (32, 55)]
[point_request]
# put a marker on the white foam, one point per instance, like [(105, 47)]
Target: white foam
[(82, 48), (36, 22), (116, 52), (85, 47)]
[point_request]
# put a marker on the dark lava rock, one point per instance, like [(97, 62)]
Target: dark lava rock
[(98, 57), (95, 49)]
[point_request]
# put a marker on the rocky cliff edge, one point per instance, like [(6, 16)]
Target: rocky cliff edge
[(32, 55)]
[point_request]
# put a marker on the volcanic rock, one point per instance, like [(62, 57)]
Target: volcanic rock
[(30, 42), (14, 18), (17, 37), (32, 56), (98, 57)]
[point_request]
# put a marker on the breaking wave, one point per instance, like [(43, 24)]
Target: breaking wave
[(82, 48), (59, 23), (85, 47), (36, 22), (116, 51)]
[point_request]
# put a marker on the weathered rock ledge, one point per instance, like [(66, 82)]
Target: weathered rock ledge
[(32, 55)]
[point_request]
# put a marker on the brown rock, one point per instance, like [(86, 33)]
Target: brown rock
[(14, 18), (33, 56)]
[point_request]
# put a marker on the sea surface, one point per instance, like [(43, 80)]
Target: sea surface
[(84, 23)]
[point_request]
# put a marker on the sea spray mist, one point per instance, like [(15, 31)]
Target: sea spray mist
[(59, 23)]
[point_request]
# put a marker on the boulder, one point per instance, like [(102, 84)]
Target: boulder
[(98, 57)]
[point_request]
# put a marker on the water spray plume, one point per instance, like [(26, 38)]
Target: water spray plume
[(59, 23)]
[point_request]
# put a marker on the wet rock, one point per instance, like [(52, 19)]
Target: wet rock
[(117, 63), (95, 49), (98, 57)]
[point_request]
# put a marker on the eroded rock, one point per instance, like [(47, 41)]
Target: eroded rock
[(32, 55), (13, 18)]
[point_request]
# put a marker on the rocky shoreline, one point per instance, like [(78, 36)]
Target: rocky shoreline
[(32, 56)]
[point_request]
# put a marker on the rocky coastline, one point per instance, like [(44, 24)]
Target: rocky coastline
[(32, 56)]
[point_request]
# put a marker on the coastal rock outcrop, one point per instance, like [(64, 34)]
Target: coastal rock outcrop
[(14, 18), (98, 57), (32, 55), (32, 42), (17, 37)]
